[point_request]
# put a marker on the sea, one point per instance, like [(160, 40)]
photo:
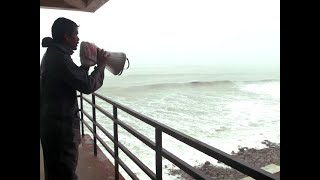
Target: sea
[(225, 106)]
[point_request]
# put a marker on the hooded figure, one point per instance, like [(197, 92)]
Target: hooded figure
[(60, 79)]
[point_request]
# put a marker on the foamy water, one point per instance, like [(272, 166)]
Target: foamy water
[(225, 109)]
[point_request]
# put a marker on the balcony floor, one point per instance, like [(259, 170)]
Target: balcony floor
[(89, 166)]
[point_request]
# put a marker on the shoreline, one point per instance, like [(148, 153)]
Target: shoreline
[(255, 157)]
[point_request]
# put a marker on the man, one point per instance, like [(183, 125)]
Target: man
[(60, 79)]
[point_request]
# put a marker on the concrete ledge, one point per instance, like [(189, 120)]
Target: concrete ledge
[(271, 168), (91, 167)]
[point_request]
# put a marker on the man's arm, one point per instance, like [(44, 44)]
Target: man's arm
[(78, 78), (85, 68)]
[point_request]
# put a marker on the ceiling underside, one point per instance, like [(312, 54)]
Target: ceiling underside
[(77, 5)]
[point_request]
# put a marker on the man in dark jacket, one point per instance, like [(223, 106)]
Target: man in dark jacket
[(60, 79)]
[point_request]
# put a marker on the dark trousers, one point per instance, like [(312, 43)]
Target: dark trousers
[(60, 154)]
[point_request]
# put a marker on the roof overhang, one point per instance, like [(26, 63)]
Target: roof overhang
[(77, 5)]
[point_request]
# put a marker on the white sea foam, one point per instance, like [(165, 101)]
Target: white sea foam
[(223, 112)]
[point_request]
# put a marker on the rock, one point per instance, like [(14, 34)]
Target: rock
[(254, 157)]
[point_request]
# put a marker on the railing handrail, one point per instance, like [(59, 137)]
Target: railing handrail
[(161, 152)]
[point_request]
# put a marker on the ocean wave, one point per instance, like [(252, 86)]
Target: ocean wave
[(196, 84), (182, 84), (263, 80)]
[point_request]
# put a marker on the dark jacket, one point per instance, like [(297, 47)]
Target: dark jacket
[(60, 79)]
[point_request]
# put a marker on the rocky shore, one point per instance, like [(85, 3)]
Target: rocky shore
[(254, 157)]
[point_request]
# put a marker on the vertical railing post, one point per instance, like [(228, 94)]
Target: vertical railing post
[(81, 107), (158, 153), (94, 126), (115, 135)]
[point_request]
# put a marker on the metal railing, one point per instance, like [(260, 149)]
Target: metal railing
[(160, 128)]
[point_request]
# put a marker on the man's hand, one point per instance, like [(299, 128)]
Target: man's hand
[(102, 57)]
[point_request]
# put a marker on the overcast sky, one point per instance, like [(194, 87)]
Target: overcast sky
[(180, 31)]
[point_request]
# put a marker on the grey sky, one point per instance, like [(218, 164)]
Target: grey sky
[(180, 31)]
